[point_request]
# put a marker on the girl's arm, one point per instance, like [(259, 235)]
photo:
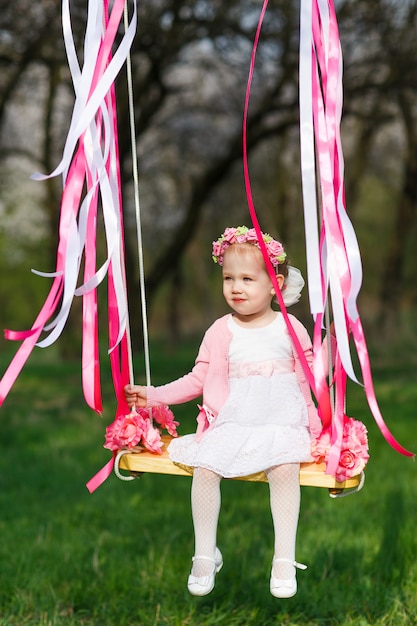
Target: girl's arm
[(178, 391)]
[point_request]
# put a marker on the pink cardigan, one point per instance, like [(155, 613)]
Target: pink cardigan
[(209, 377)]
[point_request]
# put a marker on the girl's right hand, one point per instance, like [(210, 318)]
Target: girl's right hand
[(136, 396)]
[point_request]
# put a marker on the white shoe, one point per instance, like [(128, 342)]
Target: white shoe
[(285, 587), (203, 585)]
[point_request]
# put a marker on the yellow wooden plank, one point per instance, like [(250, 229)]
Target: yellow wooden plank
[(311, 474)]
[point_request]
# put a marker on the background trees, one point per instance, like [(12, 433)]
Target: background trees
[(190, 65)]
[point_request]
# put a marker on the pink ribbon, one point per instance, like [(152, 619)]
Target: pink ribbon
[(321, 392), (102, 475), (333, 257), (342, 264), (90, 161)]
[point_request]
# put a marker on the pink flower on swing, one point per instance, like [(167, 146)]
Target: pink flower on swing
[(355, 433), (165, 418), (152, 438), (125, 432), (128, 431), (349, 465), (321, 446), (354, 450), (354, 454)]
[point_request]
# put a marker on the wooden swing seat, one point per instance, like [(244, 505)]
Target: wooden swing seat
[(311, 474)]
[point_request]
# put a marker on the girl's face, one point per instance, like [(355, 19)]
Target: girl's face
[(247, 287)]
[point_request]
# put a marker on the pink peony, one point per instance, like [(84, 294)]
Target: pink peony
[(355, 433), (152, 438), (354, 453), (128, 431), (165, 418), (125, 432), (321, 446)]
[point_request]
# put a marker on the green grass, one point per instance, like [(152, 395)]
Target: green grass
[(122, 555)]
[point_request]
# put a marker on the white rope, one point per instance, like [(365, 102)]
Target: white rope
[(138, 220), (116, 467)]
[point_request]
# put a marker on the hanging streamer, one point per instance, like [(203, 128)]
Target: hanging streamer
[(319, 389), (339, 252), (333, 257), (90, 162)]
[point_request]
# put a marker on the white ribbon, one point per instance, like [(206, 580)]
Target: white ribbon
[(308, 161), (92, 124)]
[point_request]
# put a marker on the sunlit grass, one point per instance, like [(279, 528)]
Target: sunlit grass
[(122, 555)]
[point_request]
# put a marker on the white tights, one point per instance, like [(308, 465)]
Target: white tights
[(205, 506), (284, 490)]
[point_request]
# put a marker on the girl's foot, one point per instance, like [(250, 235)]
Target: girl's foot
[(285, 587), (203, 585)]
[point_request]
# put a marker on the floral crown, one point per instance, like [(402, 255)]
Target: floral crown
[(242, 234)]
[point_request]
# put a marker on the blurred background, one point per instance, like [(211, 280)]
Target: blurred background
[(190, 65), (122, 555)]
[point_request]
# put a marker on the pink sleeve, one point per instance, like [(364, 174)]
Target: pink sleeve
[(185, 388)]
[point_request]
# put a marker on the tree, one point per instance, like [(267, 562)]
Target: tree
[(382, 88), (190, 64)]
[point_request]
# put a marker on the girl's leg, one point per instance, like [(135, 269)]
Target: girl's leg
[(284, 490), (205, 504)]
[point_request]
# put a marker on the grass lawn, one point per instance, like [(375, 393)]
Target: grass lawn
[(122, 555)]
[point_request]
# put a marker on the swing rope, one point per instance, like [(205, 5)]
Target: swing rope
[(132, 126), (142, 290), (326, 400)]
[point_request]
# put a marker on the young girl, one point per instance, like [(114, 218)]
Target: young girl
[(257, 412)]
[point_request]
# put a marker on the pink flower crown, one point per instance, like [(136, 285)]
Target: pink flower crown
[(242, 234)]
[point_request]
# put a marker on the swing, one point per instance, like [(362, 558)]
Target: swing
[(140, 461), (311, 474), (90, 161)]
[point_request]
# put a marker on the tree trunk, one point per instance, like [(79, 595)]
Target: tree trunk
[(393, 272)]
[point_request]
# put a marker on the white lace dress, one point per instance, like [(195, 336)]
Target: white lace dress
[(264, 421)]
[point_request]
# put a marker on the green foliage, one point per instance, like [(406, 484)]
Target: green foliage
[(121, 556)]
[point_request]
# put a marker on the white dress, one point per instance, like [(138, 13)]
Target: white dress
[(264, 421)]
